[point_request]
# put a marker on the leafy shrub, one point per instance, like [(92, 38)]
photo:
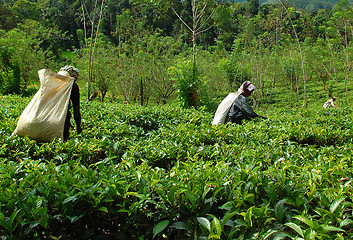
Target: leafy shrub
[(166, 172), (187, 81)]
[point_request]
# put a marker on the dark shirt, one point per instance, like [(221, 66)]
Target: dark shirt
[(75, 100), (240, 110)]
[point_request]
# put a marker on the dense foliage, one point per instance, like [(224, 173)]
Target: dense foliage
[(138, 43), (165, 172)]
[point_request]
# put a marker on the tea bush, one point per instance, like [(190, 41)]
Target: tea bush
[(167, 173)]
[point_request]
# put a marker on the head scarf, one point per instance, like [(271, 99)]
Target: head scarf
[(248, 86), (71, 70)]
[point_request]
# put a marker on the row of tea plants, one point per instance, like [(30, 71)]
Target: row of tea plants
[(167, 173)]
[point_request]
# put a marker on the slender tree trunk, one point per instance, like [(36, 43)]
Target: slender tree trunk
[(141, 91), (90, 63), (92, 42), (301, 58), (195, 29), (84, 23), (348, 64)]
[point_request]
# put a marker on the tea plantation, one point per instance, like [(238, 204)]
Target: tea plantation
[(167, 173)]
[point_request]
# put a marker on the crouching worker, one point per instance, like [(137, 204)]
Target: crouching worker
[(329, 103), (47, 116), (74, 103), (235, 107)]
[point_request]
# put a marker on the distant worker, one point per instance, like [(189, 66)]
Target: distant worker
[(234, 108), (75, 101), (329, 103)]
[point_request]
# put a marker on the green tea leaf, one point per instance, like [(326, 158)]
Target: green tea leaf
[(204, 222), (70, 199), (103, 209), (336, 204), (160, 227), (305, 220), (280, 236), (309, 234), (248, 216), (328, 228), (279, 209), (227, 217), (346, 222), (192, 197), (295, 227), (216, 225), (181, 226), (214, 236)]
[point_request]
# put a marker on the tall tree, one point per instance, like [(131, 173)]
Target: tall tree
[(252, 7), (289, 11), (94, 18), (24, 52), (25, 9), (200, 18), (7, 18)]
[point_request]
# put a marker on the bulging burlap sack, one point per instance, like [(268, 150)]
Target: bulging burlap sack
[(224, 107), (44, 117)]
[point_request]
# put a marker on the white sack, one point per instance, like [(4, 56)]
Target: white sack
[(224, 107), (44, 117)]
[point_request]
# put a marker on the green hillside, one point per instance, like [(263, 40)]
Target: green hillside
[(309, 5)]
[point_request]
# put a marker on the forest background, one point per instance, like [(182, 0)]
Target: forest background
[(196, 52)]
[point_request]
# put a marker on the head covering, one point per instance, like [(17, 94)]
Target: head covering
[(248, 86), (71, 70)]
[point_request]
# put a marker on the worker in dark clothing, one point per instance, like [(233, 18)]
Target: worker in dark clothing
[(240, 108), (74, 103)]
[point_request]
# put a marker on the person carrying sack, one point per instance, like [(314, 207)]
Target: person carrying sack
[(234, 108), (46, 116), (329, 103)]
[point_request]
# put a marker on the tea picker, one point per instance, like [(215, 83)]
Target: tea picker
[(235, 107), (47, 116)]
